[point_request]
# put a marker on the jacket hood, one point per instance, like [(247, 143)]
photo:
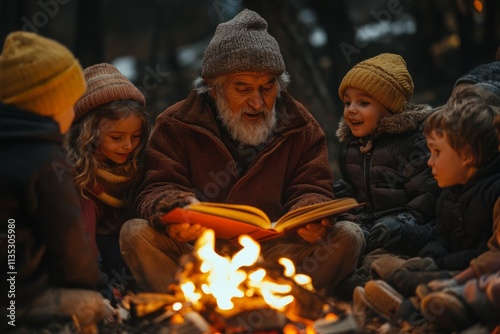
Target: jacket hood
[(21, 125), (409, 120)]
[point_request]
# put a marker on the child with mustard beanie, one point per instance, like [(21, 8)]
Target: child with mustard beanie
[(383, 156), (463, 139), (46, 256)]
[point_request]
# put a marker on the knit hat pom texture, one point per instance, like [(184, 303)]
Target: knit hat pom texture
[(242, 44), (383, 77), (487, 76)]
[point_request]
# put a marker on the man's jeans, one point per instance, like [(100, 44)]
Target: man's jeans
[(153, 257)]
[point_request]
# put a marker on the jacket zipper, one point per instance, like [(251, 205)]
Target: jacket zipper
[(367, 182)]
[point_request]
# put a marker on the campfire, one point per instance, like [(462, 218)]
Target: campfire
[(238, 294)]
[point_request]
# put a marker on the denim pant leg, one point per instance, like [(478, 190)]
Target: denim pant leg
[(152, 256), (327, 261)]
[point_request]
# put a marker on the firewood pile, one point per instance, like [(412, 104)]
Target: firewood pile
[(228, 295), (309, 314), (277, 302)]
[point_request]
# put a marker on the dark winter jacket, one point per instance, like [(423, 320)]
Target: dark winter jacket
[(489, 261), (464, 219), (187, 156), (480, 283), (388, 171), (40, 210)]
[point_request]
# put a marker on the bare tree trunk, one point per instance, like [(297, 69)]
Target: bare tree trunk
[(10, 22), (334, 18), (309, 84), (492, 29), (89, 33)]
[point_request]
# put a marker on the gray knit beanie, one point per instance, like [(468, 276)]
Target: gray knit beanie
[(486, 76), (242, 44)]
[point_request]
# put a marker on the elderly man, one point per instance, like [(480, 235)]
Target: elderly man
[(238, 138)]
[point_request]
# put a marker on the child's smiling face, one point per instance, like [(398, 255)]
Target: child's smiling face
[(120, 138), (362, 112)]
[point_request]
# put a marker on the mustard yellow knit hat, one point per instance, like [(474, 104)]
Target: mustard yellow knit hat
[(40, 75), (384, 77)]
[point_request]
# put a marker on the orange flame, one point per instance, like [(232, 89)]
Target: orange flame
[(226, 278)]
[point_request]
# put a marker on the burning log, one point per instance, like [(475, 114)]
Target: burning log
[(264, 320), (306, 307), (154, 307), (245, 284), (147, 303), (239, 294)]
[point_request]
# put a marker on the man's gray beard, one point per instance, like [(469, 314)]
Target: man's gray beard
[(249, 132)]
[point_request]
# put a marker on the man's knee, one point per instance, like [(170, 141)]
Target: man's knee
[(349, 232), (135, 231)]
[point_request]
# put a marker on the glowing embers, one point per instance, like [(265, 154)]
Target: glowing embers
[(238, 291), (238, 283)]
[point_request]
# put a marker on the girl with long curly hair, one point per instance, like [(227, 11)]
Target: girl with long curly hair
[(105, 145)]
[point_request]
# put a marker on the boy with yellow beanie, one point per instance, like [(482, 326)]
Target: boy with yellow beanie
[(383, 156), (46, 256), (41, 76)]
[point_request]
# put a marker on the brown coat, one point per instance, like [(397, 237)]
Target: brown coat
[(186, 157)]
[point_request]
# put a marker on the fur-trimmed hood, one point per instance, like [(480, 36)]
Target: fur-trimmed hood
[(409, 120)]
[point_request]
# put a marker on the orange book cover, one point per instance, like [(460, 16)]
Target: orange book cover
[(229, 221)]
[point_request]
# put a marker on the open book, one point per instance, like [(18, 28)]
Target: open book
[(229, 221)]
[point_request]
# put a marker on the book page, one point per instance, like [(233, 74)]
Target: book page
[(224, 227), (244, 213), (315, 212)]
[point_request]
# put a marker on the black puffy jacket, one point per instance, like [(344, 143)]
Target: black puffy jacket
[(388, 171), (464, 219)]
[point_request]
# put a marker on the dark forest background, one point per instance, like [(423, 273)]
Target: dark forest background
[(159, 44)]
